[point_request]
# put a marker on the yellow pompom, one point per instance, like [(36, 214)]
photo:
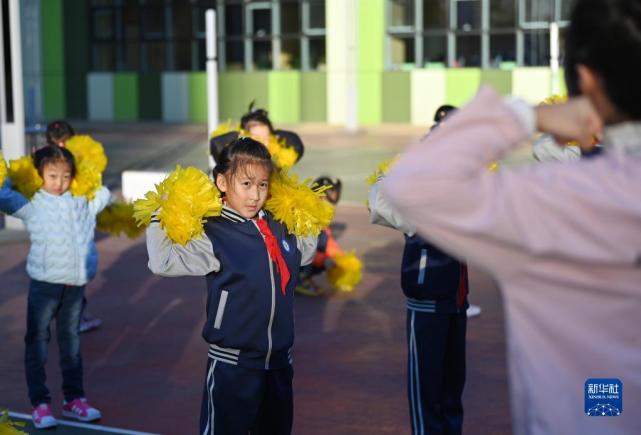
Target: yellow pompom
[(118, 218), (347, 272), (3, 169), (381, 169), (283, 156), (493, 167), (85, 148), (185, 198), (8, 427), (555, 99), (87, 181), (24, 176), (297, 205), (226, 127)]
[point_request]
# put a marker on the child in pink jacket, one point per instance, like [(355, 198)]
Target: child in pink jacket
[(563, 240)]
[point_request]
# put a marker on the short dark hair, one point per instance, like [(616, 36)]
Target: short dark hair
[(605, 36), (442, 112), (258, 115), (239, 153), (59, 131), (334, 184), (53, 154)]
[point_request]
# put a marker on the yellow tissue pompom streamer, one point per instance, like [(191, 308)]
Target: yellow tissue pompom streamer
[(118, 218), (226, 127), (347, 273), (8, 427), (283, 156), (85, 148), (3, 169), (298, 206), (185, 198), (555, 99), (381, 169), (24, 176), (87, 181)]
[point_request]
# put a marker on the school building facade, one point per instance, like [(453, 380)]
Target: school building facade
[(138, 60)]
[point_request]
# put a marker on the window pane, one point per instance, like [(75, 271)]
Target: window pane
[(262, 22), (104, 57), (181, 20), (566, 9), (317, 14), (317, 54), (536, 48), (539, 10), (290, 18), (153, 22), (402, 53), (153, 56), (103, 24), (262, 55), (468, 15), (182, 56), (435, 14), (468, 50), (402, 13), (435, 51), (233, 20), (131, 20), (290, 54), (502, 49), (132, 56), (234, 55), (502, 14)]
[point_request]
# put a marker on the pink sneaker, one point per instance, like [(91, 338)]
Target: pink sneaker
[(43, 417), (81, 410)]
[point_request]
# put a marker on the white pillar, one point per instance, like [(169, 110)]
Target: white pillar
[(342, 61), (554, 57), (212, 77), (12, 138)]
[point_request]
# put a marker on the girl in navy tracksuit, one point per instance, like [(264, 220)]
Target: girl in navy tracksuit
[(436, 288), (251, 266)]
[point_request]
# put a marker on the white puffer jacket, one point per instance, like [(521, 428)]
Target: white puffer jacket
[(61, 229)]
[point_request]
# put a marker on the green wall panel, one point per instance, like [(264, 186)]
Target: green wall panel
[(462, 84), (53, 96), (313, 97), (149, 96), (371, 50), (370, 98), (396, 97), (126, 97), (501, 80), (52, 50), (284, 96), (198, 97), (236, 90), (76, 60)]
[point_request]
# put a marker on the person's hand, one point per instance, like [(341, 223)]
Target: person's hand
[(576, 120)]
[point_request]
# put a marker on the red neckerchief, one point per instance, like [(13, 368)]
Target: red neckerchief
[(274, 251)]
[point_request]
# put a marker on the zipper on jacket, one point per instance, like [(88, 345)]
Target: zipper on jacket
[(271, 315)]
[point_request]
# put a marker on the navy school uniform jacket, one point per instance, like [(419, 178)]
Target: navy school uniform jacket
[(431, 280), (249, 322)]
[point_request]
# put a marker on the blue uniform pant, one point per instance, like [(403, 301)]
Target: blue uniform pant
[(240, 401), (436, 371), (47, 301)]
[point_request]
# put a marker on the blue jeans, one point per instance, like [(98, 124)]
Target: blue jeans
[(64, 303)]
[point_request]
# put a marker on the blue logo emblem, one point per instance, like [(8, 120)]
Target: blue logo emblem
[(286, 245), (603, 397)]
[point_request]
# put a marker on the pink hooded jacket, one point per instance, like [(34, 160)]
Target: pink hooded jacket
[(563, 240)]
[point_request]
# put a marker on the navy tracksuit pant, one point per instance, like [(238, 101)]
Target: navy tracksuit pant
[(436, 371), (240, 401)]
